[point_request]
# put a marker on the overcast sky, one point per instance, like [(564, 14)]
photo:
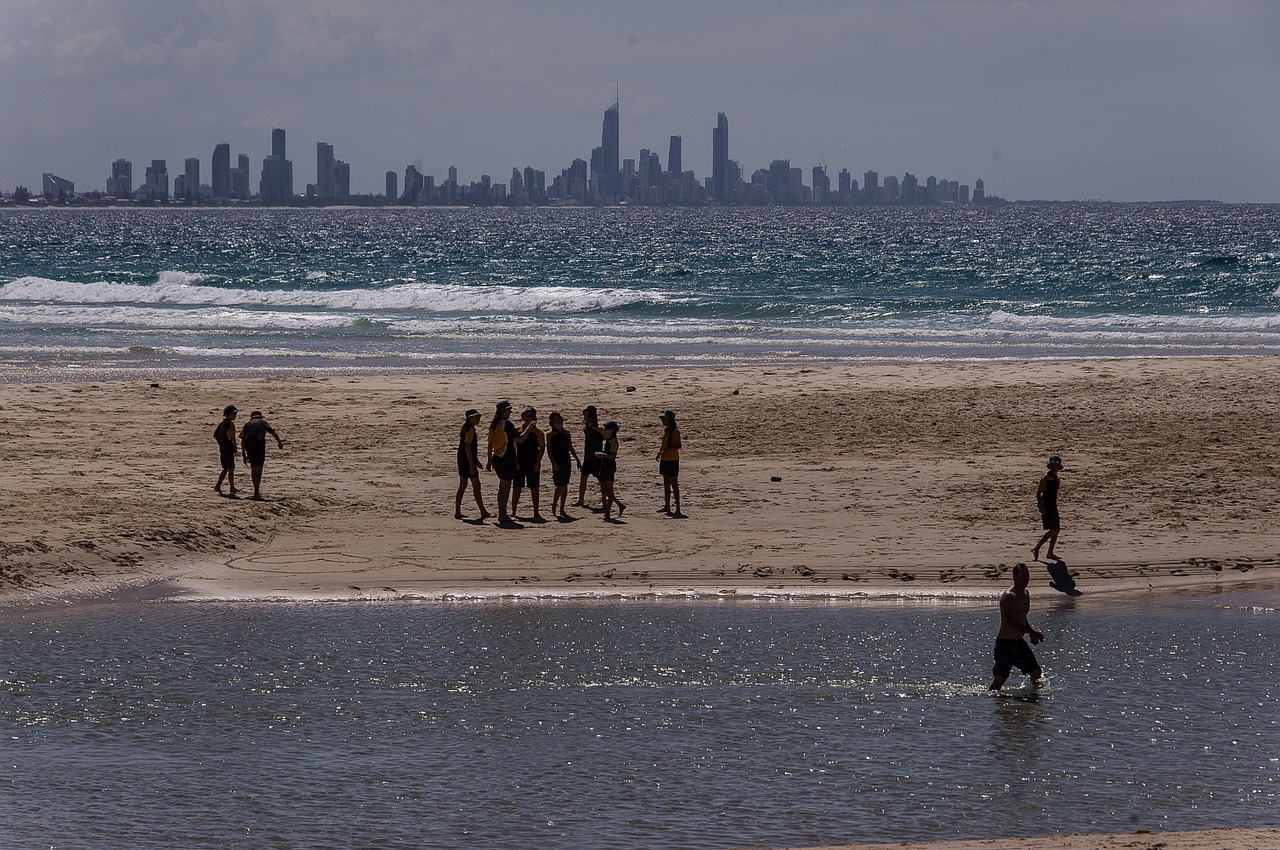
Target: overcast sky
[(1066, 99)]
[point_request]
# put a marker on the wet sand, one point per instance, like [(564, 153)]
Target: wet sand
[(1216, 839)]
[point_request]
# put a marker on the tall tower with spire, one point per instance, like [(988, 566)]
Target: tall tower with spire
[(720, 160)]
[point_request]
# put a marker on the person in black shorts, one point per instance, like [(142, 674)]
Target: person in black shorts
[(1047, 503), (1011, 650), (501, 456), (530, 447), (469, 465), (609, 470), (225, 434), (669, 462), (560, 449), (592, 443), (253, 444)]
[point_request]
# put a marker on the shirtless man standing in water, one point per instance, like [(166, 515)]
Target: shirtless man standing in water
[(1011, 650)]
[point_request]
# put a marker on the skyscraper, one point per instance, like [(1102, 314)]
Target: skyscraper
[(610, 176), (720, 160), (240, 177), (275, 186), (121, 183), (674, 164), (392, 191), (324, 170), (191, 173), (158, 180), (222, 171)]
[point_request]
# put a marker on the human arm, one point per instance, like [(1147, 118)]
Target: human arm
[(272, 432)]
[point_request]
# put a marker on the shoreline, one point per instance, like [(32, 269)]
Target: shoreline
[(887, 480), (1230, 838)]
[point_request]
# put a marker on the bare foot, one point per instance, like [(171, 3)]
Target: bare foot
[(1035, 554), (621, 508), (458, 516), (485, 515)]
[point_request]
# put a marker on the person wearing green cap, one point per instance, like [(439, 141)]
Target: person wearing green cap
[(669, 463)]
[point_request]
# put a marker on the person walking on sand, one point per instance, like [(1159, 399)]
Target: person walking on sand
[(469, 465), (225, 434), (253, 442), (609, 470), (560, 449), (531, 445), (501, 457), (592, 443), (1047, 503), (1011, 650), (669, 462)]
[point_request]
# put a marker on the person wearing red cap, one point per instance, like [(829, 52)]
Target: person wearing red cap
[(253, 444)]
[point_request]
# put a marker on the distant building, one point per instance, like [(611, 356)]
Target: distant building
[(610, 151), (120, 183), (57, 188), (240, 178), (341, 181), (324, 170), (222, 171), (871, 187), (675, 164), (191, 186), (720, 160), (393, 183), (156, 187), (275, 186)]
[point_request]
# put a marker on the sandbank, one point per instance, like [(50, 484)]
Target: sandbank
[(887, 480)]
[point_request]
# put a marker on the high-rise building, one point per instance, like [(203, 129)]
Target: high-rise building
[(222, 171), (675, 165), (610, 175), (240, 177), (120, 184), (324, 170), (341, 180), (720, 160), (157, 185), (393, 182), (191, 185), (871, 187), (275, 186), (57, 188)]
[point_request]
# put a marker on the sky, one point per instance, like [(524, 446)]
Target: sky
[(1123, 100)]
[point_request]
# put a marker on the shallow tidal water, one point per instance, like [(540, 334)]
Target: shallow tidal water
[(643, 724)]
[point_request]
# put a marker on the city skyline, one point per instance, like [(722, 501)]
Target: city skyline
[(1135, 100), (607, 179)]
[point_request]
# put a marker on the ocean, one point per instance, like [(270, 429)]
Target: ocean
[(641, 725), (111, 291)]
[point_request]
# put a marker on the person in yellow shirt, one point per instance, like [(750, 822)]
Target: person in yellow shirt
[(501, 456), (669, 463), (469, 465)]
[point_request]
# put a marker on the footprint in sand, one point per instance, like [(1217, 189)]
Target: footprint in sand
[(901, 576)]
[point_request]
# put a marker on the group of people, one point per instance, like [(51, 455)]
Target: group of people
[(516, 453), (253, 448)]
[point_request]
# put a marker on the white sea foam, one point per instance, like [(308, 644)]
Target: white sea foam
[(186, 289)]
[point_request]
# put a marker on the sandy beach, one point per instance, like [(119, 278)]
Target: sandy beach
[(886, 479), (1213, 839)]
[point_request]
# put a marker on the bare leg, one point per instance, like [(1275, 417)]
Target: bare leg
[(255, 474), (475, 489), (675, 491), (582, 489), (533, 494), (457, 501), (504, 492), (515, 498)]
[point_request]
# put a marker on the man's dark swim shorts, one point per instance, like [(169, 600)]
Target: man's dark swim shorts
[(669, 468), (1050, 520), (1013, 652), (228, 455)]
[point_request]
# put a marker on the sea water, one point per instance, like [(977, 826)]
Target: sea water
[(629, 724), (249, 289)]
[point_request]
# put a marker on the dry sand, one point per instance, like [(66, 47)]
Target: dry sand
[(903, 479), (913, 479)]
